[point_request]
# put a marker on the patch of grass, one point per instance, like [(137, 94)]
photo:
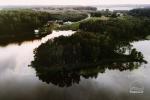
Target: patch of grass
[(75, 25)]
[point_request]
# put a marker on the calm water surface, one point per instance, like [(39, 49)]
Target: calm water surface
[(18, 81)]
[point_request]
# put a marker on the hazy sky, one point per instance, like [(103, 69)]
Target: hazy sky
[(71, 2)]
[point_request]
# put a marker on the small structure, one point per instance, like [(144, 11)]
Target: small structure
[(137, 87), (68, 23), (60, 22), (119, 14), (36, 31), (51, 22)]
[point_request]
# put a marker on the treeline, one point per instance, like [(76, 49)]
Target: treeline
[(140, 12), (77, 48), (85, 8), (25, 21), (125, 28), (108, 13), (66, 8), (15, 22), (69, 16), (96, 14)]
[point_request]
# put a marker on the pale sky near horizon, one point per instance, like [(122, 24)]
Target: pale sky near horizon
[(71, 2)]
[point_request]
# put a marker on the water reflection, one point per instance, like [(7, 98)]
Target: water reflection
[(67, 76), (19, 40), (18, 81)]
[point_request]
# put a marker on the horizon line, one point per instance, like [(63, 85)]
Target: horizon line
[(71, 4)]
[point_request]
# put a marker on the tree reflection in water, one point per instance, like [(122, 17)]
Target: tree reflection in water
[(64, 60), (66, 76)]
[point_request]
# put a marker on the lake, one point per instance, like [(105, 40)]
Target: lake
[(18, 81)]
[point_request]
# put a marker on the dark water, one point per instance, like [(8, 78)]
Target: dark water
[(18, 81)]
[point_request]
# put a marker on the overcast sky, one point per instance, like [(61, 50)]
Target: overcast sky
[(71, 2)]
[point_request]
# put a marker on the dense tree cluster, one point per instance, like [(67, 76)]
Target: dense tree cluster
[(121, 28), (25, 21), (67, 50), (65, 8), (69, 16), (96, 41), (96, 14), (16, 22), (85, 8), (80, 48), (140, 12)]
